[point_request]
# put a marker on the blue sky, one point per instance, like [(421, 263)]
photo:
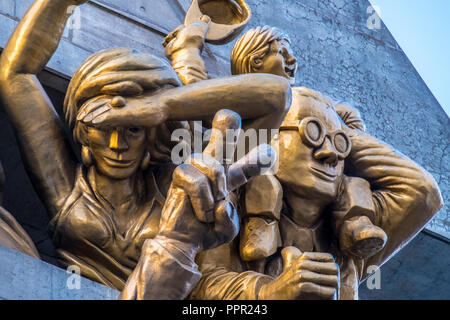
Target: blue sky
[(422, 29)]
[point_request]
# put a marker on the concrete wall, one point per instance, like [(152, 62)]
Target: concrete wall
[(338, 55), (32, 279), (419, 271)]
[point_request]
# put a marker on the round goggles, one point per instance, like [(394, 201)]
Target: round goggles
[(313, 133)]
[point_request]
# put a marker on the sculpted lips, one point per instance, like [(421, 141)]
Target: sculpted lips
[(118, 163), (290, 71), (328, 175)]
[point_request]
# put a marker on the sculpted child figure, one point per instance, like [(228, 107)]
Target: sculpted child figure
[(126, 215), (309, 231)]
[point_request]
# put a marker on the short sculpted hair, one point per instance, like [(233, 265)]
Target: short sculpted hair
[(254, 44)]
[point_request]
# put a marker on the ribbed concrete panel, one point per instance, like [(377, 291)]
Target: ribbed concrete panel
[(32, 279)]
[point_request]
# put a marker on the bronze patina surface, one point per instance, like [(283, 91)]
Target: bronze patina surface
[(349, 201), (118, 214), (337, 202)]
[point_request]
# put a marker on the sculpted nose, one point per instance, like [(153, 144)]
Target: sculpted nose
[(327, 153), (291, 59), (117, 141)]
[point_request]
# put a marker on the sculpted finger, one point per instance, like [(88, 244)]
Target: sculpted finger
[(290, 255), (94, 114), (214, 171), (196, 186), (225, 126), (88, 108), (328, 268), (320, 279), (226, 221), (258, 161), (313, 291), (317, 256), (104, 118), (172, 35)]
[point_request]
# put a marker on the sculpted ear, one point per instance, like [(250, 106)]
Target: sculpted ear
[(256, 62)]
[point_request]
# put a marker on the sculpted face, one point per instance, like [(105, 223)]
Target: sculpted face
[(311, 149), (117, 152), (280, 61)]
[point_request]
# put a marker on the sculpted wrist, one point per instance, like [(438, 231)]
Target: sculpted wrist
[(261, 288), (184, 252)]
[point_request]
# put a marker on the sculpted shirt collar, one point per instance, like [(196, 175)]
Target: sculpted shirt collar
[(306, 239)]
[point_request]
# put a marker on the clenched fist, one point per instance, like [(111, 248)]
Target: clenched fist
[(305, 276)]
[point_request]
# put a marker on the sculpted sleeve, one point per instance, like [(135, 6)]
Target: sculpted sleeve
[(183, 47), (165, 271), (405, 196), (223, 278)]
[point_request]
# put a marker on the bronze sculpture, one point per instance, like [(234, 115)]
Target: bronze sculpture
[(311, 199), (120, 210), (106, 212)]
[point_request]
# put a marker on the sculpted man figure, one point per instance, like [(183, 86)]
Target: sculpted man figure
[(289, 246), (118, 214)]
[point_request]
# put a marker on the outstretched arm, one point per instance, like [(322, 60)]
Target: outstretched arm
[(40, 134), (260, 99)]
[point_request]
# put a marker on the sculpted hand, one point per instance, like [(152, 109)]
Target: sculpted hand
[(306, 276), (199, 209), (350, 116), (184, 37), (140, 111)]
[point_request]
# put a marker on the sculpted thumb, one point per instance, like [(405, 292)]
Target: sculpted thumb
[(290, 255)]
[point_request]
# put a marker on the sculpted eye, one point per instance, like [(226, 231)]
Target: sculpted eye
[(134, 130)]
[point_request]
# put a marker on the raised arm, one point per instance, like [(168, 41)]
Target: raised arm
[(260, 99), (46, 153)]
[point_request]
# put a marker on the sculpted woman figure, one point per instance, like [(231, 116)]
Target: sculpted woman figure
[(117, 214)]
